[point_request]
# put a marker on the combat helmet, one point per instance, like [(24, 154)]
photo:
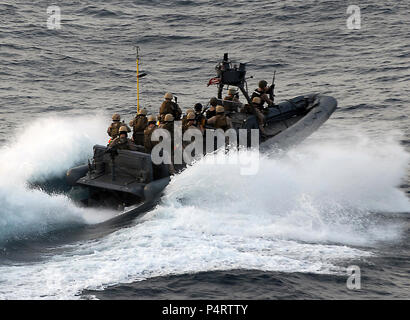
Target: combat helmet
[(169, 96), (256, 100), (232, 91), (116, 117), (169, 117), (123, 129), (143, 112), (151, 118), (190, 116), (220, 109)]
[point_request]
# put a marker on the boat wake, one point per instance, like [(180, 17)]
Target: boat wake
[(313, 209)]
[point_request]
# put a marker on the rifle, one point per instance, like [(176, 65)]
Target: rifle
[(272, 88)]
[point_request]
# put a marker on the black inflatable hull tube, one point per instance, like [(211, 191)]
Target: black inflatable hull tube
[(154, 188), (303, 128), (76, 173)]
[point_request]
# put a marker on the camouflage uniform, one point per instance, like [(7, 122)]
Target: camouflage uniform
[(148, 143), (139, 124), (220, 121), (170, 107), (122, 144), (170, 127), (113, 129)]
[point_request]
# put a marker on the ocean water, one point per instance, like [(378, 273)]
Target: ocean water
[(340, 198)]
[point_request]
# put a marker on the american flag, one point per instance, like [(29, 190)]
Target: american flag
[(214, 81)]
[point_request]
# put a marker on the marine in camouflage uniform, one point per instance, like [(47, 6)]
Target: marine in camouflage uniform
[(220, 120), (168, 124), (170, 107), (257, 105), (184, 117), (148, 143), (232, 95), (191, 123), (139, 124), (113, 129), (122, 142)]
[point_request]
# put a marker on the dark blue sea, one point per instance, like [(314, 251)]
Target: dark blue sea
[(291, 231)]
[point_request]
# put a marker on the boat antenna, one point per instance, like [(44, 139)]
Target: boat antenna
[(137, 48)]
